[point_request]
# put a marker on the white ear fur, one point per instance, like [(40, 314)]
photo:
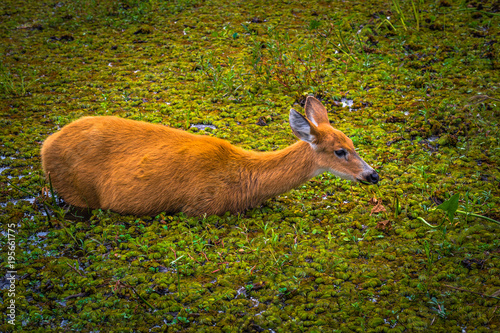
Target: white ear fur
[(301, 127), (313, 121)]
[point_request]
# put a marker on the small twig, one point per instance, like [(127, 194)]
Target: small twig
[(193, 258), (470, 291), (74, 269), (175, 253), (135, 291), (76, 295)]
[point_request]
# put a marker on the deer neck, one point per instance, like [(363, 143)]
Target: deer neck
[(273, 173)]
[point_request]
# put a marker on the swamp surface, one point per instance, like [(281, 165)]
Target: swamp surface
[(414, 84)]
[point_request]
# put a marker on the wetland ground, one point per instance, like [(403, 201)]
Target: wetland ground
[(415, 85)]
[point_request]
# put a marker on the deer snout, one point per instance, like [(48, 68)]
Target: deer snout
[(372, 177)]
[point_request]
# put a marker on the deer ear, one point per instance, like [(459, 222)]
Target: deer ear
[(315, 111), (301, 127)]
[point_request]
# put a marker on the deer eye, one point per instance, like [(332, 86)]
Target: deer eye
[(341, 153)]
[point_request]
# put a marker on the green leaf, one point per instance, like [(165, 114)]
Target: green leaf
[(450, 206)]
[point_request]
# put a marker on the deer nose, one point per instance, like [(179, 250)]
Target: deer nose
[(372, 178)]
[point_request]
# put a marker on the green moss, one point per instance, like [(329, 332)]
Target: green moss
[(310, 260)]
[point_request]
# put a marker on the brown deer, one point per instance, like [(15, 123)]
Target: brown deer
[(134, 167)]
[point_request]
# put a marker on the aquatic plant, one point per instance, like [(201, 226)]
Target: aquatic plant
[(418, 96), (450, 207)]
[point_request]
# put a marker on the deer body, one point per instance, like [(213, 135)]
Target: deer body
[(139, 168)]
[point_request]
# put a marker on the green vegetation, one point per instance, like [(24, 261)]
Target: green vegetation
[(418, 252)]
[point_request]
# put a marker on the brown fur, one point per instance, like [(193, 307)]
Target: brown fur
[(139, 168)]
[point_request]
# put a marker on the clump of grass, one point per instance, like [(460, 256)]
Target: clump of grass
[(15, 82), (415, 10), (295, 69), (222, 73), (399, 11)]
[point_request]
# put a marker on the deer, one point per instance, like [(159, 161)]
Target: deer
[(139, 168)]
